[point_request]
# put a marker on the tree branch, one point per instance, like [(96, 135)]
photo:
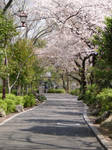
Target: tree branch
[(7, 6), (16, 79), (71, 16), (77, 64), (75, 78)]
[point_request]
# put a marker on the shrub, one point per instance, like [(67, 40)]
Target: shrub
[(1, 89), (56, 91), (29, 101), (19, 100), (10, 102), (3, 105), (51, 90), (11, 106), (41, 98), (1, 96), (11, 96), (91, 93), (105, 99), (75, 92)]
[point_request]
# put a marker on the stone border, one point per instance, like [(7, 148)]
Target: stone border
[(98, 135), (10, 118)]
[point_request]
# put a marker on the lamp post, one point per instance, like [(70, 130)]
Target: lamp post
[(23, 18)]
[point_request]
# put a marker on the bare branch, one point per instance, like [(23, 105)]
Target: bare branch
[(7, 6), (75, 78), (15, 80), (71, 16)]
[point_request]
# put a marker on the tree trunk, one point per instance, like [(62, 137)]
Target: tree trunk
[(83, 81), (31, 87), (27, 89), (19, 90), (4, 89), (92, 78), (9, 87), (83, 77), (4, 83), (22, 92), (68, 84), (63, 80), (9, 90)]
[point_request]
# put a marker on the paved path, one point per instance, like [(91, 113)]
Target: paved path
[(55, 125)]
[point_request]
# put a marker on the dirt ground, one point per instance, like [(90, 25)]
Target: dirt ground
[(105, 127)]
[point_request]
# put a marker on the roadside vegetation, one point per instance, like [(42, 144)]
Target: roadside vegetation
[(20, 70), (56, 91), (11, 101), (78, 51), (98, 93)]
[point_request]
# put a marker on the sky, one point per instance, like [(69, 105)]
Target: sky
[(36, 7), (30, 3)]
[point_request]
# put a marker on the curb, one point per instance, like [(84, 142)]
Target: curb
[(15, 116), (97, 134), (1, 124)]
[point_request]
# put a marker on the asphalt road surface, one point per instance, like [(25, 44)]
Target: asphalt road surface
[(57, 124)]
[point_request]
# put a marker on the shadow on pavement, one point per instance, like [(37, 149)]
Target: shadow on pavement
[(61, 130), (53, 121)]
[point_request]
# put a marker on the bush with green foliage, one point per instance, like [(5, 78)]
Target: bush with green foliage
[(29, 101), (75, 92), (10, 102), (11, 106), (91, 93), (41, 98), (56, 91), (19, 100), (3, 105), (11, 96), (104, 99)]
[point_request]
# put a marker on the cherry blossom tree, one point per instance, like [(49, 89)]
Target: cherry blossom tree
[(67, 26), (76, 22)]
